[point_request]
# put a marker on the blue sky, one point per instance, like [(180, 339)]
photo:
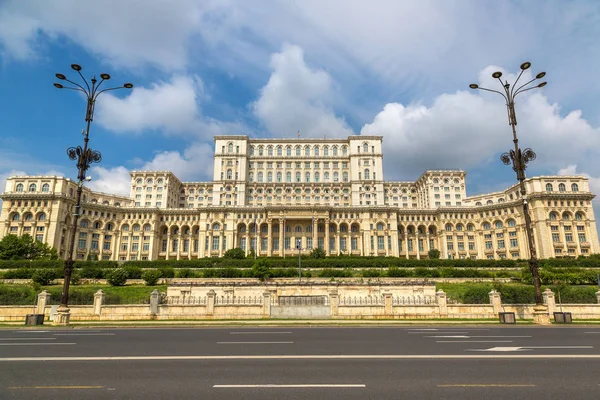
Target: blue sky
[(400, 69)]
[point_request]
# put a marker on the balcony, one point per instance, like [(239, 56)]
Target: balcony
[(572, 244), (584, 244)]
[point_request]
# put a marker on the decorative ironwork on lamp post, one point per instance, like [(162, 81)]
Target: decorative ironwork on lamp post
[(84, 156), (519, 160)]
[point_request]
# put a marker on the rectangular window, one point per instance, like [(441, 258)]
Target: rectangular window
[(354, 244), (555, 237), (175, 245), (514, 243), (186, 245), (264, 243), (400, 245), (569, 237), (276, 243), (421, 245), (286, 243), (206, 243), (488, 245), (410, 245), (461, 246), (134, 246), (581, 237), (309, 243), (146, 247), (450, 246), (94, 244), (321, 243), (164, 245), (500, 244), (380, 243), (39, 238), (215, 243), (471, 246), (243, 244), (331, 243)]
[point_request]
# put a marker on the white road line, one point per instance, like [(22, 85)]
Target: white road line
[(312, 357), (255, 342), (469, 336), (321, 385), (31, 331), (558, 347), (592, 332), (84, 334), (465, 332), (252, 333), (473, 341), (34, 344), (29, 338)]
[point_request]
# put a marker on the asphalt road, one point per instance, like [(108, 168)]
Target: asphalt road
[(455, 362)]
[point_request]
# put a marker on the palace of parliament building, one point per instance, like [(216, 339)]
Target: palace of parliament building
[(275, 195)]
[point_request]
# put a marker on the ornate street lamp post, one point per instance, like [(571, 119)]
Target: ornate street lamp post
[(519, 160), (84, 156)]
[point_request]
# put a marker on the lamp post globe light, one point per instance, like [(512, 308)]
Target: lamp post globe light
[(519, 158), (84, 156)]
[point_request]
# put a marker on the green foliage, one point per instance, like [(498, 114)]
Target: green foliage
[(133, 272), (117, 277), (251, 254), (24, 247), (151, 277), (372, 273), (92, 273), (317, 252), (334, 273), (261, 270), (186, 273), (394, 272), (75, 277), (434, 254), (167, 272), (45, 277), (236, 253)]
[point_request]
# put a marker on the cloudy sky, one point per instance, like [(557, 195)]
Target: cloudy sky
[(331, 68)]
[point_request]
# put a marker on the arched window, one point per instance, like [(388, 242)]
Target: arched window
[(553, 216), (19, 187), (298, 229), (326, 177), (470, 227), (579, 216), (298, 177), (549, 187), (251, 150), (566, 216), (336, 177), (279, 177), (487, 225), (46, 188), (298, 150), (380, 226), (147, 228), (459, 227), (343, 228), (326, 150), (136, 228), (279, 151), (307, 176), (243, 229), (316, 151), (229, 175), (288, 176), (345, 176), (97, 225), (344, 150), (15, 217), (216, 226), (335, 150), (562, 187), (270, 150), (365, 148), (448, 227), (511, 223), (367, 174), (109, 227), (354, 228), (42, 217), (317, 176), (28, 217), (32, 187), (269, 177), (574, 187), (498, 224), (251, 176), (307, 151), (288, 151), (260, 176), (84, 224), (230, 147), (489, 202), (478, 203)]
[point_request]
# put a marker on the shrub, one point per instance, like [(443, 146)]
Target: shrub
[(151, 277), (92, 273), (186, 273), (236, 253), (44, 277), (394, 272), (117, 277), (133, 272), (167, 272), (476, 294), (434, 254), (317, 252), (19, 273), (261, 270), (423, 272), (75, 277), (371, 273)]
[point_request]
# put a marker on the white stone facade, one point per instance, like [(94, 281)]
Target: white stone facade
[(272, 194)]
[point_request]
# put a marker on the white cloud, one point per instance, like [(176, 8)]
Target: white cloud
[(468, 129), (194, 163), (126, 33), (298, 98), (594, 181)]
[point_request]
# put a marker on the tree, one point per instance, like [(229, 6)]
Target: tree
[(13, 247), (236, 253), (261, 270), (317, 252), (434, 253)]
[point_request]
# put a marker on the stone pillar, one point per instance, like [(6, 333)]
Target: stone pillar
[(388, 304), (417, 245), (334, 303), (267, 304), (442, 302), (281, 238), (549, 300), (168, 245), (154, 300), (598, 296), (210, 302), (496, 301), (326, 237), (269, 238), (42, 300), (98, 302)]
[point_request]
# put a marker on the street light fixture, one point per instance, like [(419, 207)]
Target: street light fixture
[(519, 160), (85, 157)]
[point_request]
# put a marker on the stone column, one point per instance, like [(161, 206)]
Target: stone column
[(154, 300), (168, 245), (270, 238), (334, 303), (281, 238), (417, 245), (42, 300), (327, 237), (151, 248), (442, 302), (98, 302), (496, 301), (210, 302), (598, 296), (388, 304), (267, 304), (248, 247), (549, 300)]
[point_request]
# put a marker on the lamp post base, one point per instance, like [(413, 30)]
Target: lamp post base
[(540, 315), (62, 316)]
